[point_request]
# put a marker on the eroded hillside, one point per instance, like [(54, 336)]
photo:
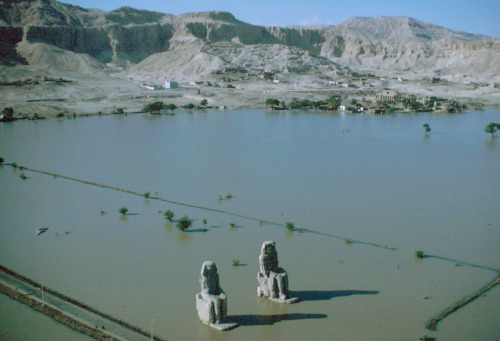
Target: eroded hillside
[(143, 38)]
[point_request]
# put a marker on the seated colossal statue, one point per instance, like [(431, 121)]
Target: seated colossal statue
[(211, 302), (273, 280)]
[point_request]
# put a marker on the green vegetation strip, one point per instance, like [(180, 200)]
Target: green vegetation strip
[(55, 314), (431, 324), (188, 205), (67, 299)]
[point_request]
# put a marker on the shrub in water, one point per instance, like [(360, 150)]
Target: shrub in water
[(123, 210), (419, 254), (426, 127), (289, 225), (169, 215), (184, 223)]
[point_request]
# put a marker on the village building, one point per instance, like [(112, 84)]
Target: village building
[(411, 98), (388, 95), (429, 99), (152, 87), (171, 85)]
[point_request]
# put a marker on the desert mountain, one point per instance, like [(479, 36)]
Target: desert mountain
[(151, 45)]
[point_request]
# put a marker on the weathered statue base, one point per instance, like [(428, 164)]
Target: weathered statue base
[(277, 299), (204, 313)]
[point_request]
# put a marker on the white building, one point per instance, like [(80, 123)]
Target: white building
[(171, 85)]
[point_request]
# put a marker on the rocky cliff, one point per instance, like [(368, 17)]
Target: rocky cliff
[(126, 34)]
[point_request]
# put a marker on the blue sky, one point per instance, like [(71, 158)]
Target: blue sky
[(472, 16)]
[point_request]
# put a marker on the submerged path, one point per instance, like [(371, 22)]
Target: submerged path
[(68, 311), (194, 206), (431, 324)]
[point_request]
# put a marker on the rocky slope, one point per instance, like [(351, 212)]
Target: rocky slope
[(188, 46)]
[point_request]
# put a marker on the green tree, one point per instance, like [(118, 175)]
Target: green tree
[(204, 103), (354, 101), (118, 111), (189, 106), (169, 215), (388, 106), (184, 223), (8, 112), (415, 105), (171, 107), (305, 103), (123, 210), (492, 128), (272, 102), (426, 127), (154, 107), (289, 225), (318, 104), (334, 102)]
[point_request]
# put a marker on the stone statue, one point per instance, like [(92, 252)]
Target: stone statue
[(273, 280), (211, 302)]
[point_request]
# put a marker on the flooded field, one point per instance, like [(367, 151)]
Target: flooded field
[(362, 178)]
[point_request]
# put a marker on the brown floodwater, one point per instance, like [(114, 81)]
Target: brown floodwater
[(382, 182)]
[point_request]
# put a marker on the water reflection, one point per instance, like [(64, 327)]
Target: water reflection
[(169, 226), (183, 237), (491, 143)]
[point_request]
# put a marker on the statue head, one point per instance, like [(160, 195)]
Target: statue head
[(209, 278), (269, 249), (268, 257)]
